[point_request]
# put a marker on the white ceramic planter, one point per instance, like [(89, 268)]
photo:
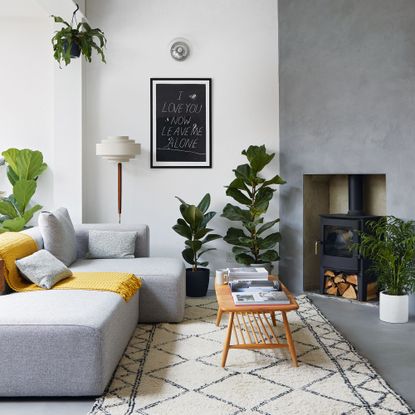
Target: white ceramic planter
[(393, 308)]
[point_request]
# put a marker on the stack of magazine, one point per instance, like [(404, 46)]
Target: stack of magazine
[(253, 287)]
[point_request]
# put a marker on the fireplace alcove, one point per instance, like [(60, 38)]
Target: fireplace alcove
[(328, 195)]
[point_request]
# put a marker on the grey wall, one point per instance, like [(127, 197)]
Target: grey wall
[(347, 104)]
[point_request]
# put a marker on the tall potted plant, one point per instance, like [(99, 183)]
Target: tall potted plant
[(390, 245), (193, 227), (23, 169), (253, 245)]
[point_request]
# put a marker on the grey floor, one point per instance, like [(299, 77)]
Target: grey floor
[(389, 347)]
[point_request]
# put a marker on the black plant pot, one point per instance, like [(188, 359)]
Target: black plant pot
[(75, 49), (197, 282)]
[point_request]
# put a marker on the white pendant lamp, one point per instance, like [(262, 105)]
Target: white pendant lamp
[(119, 149)]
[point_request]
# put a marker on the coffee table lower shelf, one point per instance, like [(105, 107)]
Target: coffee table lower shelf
[(254, 330)]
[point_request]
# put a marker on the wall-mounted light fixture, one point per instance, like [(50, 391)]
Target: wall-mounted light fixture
[(179, 49)]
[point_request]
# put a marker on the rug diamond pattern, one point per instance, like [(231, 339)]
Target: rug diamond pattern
[(175, 369)]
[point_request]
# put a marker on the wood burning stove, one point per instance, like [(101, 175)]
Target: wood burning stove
[(342, 270)]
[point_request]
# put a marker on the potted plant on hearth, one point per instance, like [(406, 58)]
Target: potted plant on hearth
[(75, 39), (389, 243), (253, 243), (193, 227)]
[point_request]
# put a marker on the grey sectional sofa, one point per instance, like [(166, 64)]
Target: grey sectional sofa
[(68, 343)]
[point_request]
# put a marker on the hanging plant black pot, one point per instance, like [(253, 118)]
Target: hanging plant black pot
[(75, 49), (197, 282)]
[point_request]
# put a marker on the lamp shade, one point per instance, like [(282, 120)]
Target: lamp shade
[(118, 148)]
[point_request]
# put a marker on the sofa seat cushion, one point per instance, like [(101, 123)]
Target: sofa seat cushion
[(163, 290), (62, 342)]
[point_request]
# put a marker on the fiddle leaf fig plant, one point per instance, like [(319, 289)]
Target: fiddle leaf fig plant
[(193, 227), (23, 169), (251, 243), (71, 41)]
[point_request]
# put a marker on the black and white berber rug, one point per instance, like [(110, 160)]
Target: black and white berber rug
[(175, 369)]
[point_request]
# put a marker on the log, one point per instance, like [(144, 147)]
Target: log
[(372, 291), (329, 273), (332, 290), (352, 279), (342, 286), (338, 279), (350, 293), (329, 283)]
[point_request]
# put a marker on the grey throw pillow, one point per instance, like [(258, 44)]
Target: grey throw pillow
[(43, 269), (58, 235), (111, 244)]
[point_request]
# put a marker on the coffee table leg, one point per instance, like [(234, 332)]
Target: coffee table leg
[(227, 340), (274, 321), (219, 317), (289, 339)]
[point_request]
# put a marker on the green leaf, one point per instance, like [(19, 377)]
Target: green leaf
[(182, 228), (204, 251), (58, 19), (23, 191), (29, 213), (14, 225), (238, 196), (238, 183), (269, 256), (181, 201), (245, 259), (194, 245), (7, 209), (240, 250), (204, 203), (244, 173), (270, 241), (10, 156), (207, 217), (266, 226), (263, 198), (203, 264), (275, 180), (193, 216), (211, 237), (12, 176), (258, 157), (188, 256), (202, 232), (234, 235), (235, 213), (26, 164)]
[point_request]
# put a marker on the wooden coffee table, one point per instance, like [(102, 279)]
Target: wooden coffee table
[(252, 326)]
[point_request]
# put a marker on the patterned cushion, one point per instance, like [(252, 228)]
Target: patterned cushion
[(43, 269), (111, 244)]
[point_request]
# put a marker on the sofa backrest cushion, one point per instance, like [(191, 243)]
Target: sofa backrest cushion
[(58, 235), (111, 244), (141, 243)]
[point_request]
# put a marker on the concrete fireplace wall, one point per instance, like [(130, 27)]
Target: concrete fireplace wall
[(347, 104)]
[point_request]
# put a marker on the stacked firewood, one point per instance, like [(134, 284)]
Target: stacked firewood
[(341, 284), (345, 285)]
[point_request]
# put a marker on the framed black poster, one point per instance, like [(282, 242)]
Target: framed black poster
[(181, 123)]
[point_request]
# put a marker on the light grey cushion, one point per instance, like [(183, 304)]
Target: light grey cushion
[(142, 245), (62, 342), (111, 244), (43, 269), (163, 293), (58, 235)]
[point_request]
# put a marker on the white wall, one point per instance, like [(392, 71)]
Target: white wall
[(235, 43), (26, 92)]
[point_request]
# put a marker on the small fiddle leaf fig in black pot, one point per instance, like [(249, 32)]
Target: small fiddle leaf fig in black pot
[(193, 226), (73, 40)]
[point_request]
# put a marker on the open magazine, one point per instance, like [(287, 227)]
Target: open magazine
[(247, 273), (257, 292)]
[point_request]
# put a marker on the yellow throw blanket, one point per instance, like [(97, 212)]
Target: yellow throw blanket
[(18, 245)]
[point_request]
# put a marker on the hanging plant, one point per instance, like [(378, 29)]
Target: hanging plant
[(75, 39)]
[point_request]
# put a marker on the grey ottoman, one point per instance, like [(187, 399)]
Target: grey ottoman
[(62, 343)]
